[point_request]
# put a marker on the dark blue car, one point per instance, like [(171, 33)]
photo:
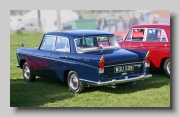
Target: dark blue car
[(83, 58)]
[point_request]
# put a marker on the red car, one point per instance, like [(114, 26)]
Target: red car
[(153, 37)]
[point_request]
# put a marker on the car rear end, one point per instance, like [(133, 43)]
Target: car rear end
[(116, 65), (123, 70)]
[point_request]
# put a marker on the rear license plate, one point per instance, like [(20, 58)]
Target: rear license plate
[(123, 68)]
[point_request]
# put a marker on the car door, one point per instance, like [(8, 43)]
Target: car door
[(59, 57), (136, 38), (155, 39), (151, 39), (42, 55), (156, 42)]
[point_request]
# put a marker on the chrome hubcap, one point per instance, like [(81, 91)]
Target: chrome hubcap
[(168, 67), (26, 72), (73, 82)]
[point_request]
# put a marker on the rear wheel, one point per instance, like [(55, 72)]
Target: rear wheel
[(28, 76), (74, 84), (166, 67)]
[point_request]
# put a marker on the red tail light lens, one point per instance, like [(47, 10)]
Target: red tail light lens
[(101, 65)]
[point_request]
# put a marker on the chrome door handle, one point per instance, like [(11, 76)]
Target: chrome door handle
[(165, 45), (66, 56), (48, 54)]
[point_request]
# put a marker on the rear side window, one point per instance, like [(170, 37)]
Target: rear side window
[(88, 41), (62, 44), (154, 34), (163, 35)]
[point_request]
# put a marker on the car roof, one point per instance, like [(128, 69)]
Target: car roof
[(151, 26), (79, 33)]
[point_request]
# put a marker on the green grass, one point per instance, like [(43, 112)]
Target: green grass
[(49, 92)]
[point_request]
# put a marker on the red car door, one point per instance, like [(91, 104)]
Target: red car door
[(151, 39), (137, 39), (156, 42), (134, 39)]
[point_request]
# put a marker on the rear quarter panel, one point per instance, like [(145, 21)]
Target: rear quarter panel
[(85, 65)]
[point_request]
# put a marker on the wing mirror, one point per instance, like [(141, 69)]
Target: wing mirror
[(22, 45)]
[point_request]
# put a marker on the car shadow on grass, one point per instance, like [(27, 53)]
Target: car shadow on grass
[(38, 93), (158, 80)]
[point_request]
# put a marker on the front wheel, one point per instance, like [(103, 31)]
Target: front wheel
[(74, 84), (28, 76), (166, 67)]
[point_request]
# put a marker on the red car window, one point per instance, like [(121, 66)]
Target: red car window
[(137, 34)]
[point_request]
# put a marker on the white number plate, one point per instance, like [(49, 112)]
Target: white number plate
[(123, 68)]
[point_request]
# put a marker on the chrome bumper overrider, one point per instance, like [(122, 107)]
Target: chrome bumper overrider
[(114, 82)]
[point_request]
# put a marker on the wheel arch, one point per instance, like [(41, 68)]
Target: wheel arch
[(22, 61), (162, 62), (65, 75)]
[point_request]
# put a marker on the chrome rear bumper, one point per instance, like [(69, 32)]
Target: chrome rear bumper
[(114, 82)]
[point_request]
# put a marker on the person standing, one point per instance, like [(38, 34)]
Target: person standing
[(121, 25), (141, 18), (132, 21), (102, 23), (152, 20)]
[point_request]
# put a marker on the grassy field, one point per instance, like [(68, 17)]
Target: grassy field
[(49, 92)]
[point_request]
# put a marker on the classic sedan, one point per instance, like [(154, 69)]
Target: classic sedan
[(152, 37), (83, 58)]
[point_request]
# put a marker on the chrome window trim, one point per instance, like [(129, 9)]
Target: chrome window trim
[(130, 32)]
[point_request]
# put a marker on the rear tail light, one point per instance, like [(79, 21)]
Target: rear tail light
[(147, 59), (101, 65)]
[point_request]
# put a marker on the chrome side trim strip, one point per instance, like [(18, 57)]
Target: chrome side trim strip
[(113, 82)]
